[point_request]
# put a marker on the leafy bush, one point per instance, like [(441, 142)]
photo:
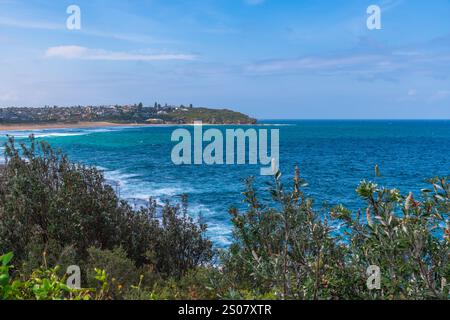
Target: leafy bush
[(54, 213), (54, 210), (42, 284), (121, 270), (45, 197), (407, 238), (292, 251), (181, 246), (286, 250)]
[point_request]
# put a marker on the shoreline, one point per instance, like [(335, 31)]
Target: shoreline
[(100, 124)]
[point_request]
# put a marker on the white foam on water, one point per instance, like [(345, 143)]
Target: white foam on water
[(205, 211), (167, 191), (222, 241), (40, 134), (2, 155), (118, 176), (220, 234), (132, 186), (58, 133), (137, 192)]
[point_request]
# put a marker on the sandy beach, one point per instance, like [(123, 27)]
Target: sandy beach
[(100, 124), (30, 126)]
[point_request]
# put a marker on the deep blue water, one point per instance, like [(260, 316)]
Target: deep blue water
[(334, 156)]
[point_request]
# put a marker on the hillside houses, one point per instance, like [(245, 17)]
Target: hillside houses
[(136, 113)]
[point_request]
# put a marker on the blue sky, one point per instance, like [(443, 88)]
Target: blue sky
[(284, 59)]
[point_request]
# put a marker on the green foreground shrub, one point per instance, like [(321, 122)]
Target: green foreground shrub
[(54, 213), (287, 249), (41, 284)]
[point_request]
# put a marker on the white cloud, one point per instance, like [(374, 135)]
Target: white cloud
[(315, 63), (83, 53), (137, 38), (383, 64), (387, 5), (42, 25), (16, 23)]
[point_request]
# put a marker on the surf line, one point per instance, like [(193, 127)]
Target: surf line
[(235, 151)]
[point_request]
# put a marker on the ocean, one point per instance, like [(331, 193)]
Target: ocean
[(333, 156)]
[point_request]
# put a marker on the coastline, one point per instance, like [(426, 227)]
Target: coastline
[(100, 124)]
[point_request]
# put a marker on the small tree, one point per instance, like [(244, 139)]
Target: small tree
[(291, 251), (181, 246), (406, 238), (286, 248)]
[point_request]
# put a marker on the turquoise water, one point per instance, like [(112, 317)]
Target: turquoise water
[(333, 156)]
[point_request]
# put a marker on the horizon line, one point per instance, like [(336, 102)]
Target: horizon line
[(351, 119)]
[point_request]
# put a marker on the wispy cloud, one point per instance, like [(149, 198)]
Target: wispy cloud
[(83, 53), (29, 24), (388, 5), (321, 64), (136, 38), (42, 25), (384, 63)]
